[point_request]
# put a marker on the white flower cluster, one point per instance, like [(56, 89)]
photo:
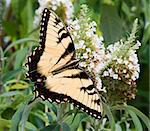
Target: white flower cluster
[(54, 4), (38, 13), (124, 63), (118, 60)]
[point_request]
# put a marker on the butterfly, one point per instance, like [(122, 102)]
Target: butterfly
[(55, 71)]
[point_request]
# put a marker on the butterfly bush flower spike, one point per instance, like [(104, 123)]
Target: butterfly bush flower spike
[(118, 61), (124, 60)]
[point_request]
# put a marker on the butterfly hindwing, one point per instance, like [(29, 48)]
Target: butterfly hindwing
[(55, 72), (76, 84)]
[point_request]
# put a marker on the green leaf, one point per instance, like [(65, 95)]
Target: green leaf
[(41, 115), (7, 113), (4, 124), (10, 28), (111, 24), (17, 117), (25, 115), (27, 18), (65, 127), (20, 56), (18, 99), (136, 121), (9, 75), (118, 127), (52, 127), (126, 10), (2, 61), (110, 116), (30, 127), (10, 93), (15, 84), (18, 86), (52, 107), (144, 118), (50, 118), (37, 122), (146, 34), (20, 41), (17, 7), (75, 120)]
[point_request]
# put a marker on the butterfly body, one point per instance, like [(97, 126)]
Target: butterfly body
[(55, 71)]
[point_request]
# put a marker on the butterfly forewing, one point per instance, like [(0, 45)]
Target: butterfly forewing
[(55, 72), (59, 48)]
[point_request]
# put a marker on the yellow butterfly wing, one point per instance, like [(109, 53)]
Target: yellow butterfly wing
[(78, 88), (55, 72)]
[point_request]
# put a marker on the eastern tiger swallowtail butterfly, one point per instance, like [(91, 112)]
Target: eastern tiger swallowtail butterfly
[(55, 71)]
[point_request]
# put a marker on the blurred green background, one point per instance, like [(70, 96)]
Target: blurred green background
[(17, 36)]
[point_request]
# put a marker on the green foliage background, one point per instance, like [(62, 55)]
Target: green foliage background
[(17, 36)]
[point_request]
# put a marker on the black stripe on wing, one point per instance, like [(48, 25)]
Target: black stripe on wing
[(72, 64), (82, 75), (57, 21), (70, 48), (60, 30), (90, 89)]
